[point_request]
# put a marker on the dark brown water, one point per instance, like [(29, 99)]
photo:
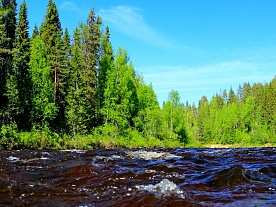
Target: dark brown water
[(140, 177)]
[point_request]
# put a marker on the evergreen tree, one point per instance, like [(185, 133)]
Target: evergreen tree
[(90, 48), (106, 63), (19, 83), (35, 32), (50, 29), (246, 91), (62, 65), (10, 21), (55, 47), (75, 108), (232, 98), (7, 26), (202, 119), (4, 52)]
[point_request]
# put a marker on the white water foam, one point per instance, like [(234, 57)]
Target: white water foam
[(165, 188), (13, 159), (149, 155)]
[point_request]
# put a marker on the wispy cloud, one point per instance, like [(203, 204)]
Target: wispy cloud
[(72, 6), (129, 20), (192, 83)]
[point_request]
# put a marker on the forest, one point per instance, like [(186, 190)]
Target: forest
[(61, 91)]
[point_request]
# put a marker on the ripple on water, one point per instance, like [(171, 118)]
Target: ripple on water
[(139, 177)]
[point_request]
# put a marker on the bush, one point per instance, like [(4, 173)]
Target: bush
[(8, 136)]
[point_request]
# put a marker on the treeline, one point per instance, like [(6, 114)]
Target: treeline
[(58, 91), (246, 118)]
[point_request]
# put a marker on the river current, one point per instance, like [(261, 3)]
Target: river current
[(139, 177)]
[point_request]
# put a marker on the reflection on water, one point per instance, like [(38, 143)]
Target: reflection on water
[(142, 177)]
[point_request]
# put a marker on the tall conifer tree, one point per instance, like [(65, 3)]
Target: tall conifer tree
[(8, 25), (64, 55), (19, 84), (75, 99), (51, 35), (3, 53), (90, 48), (106, 63)]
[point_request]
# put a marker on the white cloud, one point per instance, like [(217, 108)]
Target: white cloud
[(130, 21)]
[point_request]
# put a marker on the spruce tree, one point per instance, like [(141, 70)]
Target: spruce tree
[(50, 29), (10, 21), (90, 48), (232, 98), (202, 117), (64, 55), (8, 25), (35, 31), (105, 64), (4, 52), (75, 99), (51, 35), (19, 84)]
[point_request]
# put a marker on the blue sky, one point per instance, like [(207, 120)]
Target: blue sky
[(196, 47)]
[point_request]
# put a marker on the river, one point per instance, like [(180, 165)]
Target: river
[(139, 177)]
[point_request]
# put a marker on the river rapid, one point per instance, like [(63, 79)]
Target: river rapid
[(139, 177)]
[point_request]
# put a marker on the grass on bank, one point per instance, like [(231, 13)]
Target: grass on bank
[(103, 137)]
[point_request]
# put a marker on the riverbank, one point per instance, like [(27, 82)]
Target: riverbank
[(46, 139), (248, 145)]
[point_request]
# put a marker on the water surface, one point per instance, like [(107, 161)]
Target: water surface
[(139, 177)]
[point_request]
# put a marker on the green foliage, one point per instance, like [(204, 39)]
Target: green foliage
[(58, 95), (8, 136), (121, 100), (19, 81), (44, 109), (7, 32), (75, 108)]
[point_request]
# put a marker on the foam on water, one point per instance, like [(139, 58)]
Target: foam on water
[(165, 188), (149, 155), (13, 159)]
